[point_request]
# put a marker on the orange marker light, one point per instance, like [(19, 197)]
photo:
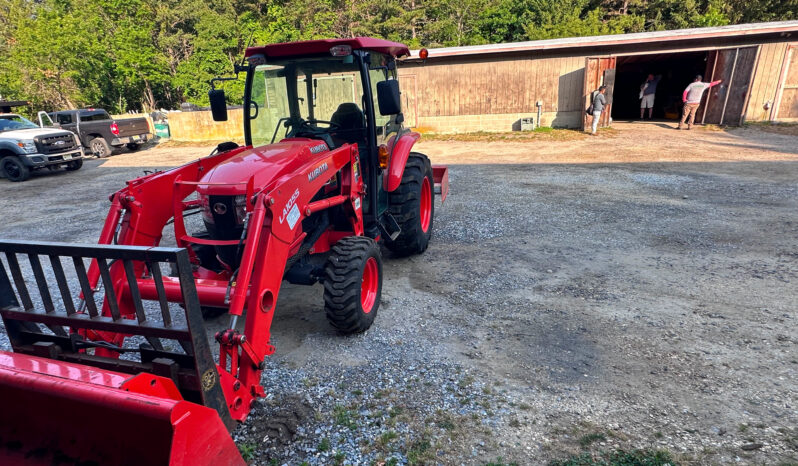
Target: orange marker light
[(383, 156), (423, 54)]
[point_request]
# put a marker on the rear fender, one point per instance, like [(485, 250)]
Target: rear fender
[(399, 154)]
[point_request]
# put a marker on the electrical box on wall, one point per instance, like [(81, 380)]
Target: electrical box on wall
[(527, 124)]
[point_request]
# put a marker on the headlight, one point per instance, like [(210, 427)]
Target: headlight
[(206, 209), (241, 209), (28, 146)]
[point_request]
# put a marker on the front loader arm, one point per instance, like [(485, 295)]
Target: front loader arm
[(273, 232)]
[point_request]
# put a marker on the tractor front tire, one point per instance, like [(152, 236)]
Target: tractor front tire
[(14, 169), (412, 205), (353, 284)]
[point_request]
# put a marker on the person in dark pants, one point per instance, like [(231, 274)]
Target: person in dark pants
[(599, 101)]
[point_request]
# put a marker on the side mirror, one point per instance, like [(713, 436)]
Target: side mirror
[(388, 97), (218, 104)]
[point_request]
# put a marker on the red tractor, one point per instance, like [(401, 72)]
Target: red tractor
[(124, 374)]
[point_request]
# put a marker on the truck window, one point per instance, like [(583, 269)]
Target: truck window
[(63, 118), (94, 116)]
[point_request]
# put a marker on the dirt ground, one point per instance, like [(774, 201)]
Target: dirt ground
[(636, 289)]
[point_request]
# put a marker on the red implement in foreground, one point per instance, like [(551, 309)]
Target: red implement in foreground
[(112, 363)]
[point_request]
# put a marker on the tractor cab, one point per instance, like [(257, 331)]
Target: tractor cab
[(338, 92)]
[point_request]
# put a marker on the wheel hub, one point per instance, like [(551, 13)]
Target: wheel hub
[(425, 209), (369, 284)]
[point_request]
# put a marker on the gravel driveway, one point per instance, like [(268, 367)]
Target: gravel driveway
[(632, 290)]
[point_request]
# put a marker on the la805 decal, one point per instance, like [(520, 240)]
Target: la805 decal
[(290, 210)]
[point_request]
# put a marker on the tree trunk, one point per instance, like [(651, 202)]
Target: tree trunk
[(148, 99)]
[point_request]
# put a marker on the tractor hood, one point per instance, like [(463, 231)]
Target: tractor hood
[(265, 163)]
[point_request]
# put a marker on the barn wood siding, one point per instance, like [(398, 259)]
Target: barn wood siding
[(498, 87), (788, 100), (766, 81)]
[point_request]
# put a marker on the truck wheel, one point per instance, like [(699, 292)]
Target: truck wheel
[(14, 169), (353, 284), (74, 165), (133, 146), (100, 147), (411, 204)]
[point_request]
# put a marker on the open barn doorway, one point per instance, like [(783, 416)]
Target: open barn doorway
[(677, 71)]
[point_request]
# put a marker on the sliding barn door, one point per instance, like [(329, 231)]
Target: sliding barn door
[(787, 108), (598, 71), (724, 104)]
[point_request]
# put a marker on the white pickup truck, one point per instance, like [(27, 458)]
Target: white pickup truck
[(25, 147)]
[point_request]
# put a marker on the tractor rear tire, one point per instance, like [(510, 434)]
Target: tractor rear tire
[(412, 205), (14, 169), (353, 284)]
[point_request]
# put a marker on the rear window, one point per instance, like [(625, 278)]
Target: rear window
[(94, 116), (62, 118)]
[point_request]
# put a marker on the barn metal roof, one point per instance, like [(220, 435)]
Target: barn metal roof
[(786, 29)]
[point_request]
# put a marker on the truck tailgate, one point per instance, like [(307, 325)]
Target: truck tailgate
[(132, 126)]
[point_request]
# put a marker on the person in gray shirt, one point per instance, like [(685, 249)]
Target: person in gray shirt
[(599, 101), (691, 97)]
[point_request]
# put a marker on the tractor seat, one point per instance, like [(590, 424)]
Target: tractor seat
[(351, 124)]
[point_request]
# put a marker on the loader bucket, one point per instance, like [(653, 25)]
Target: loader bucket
[(78, 417), (116, 383)]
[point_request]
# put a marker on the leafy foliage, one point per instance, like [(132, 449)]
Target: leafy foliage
[(146, 54)]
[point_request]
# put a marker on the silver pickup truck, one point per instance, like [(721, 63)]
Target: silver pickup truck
[(25, 147)]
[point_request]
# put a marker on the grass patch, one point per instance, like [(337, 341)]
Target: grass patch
[(324, 445), (344, 417), (384, 440), (339, 457), (620, 458), (500, 462), (542, 133), (421, 451), (247, 451), (444, 420), (589, 439)]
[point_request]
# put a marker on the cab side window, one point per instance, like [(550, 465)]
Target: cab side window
[(63, 118)]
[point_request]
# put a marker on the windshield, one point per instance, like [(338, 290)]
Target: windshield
[(13, 122), (301, 97)]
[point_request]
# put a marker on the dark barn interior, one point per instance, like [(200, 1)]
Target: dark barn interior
[(677, 70)]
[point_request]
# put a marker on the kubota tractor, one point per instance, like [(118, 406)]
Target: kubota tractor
[(115, 367)]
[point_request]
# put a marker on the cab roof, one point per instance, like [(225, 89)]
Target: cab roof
[(316, 47)]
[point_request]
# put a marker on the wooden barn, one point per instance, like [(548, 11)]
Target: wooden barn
[(504, 87)]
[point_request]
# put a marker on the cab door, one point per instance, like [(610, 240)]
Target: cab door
[(45, 121)]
